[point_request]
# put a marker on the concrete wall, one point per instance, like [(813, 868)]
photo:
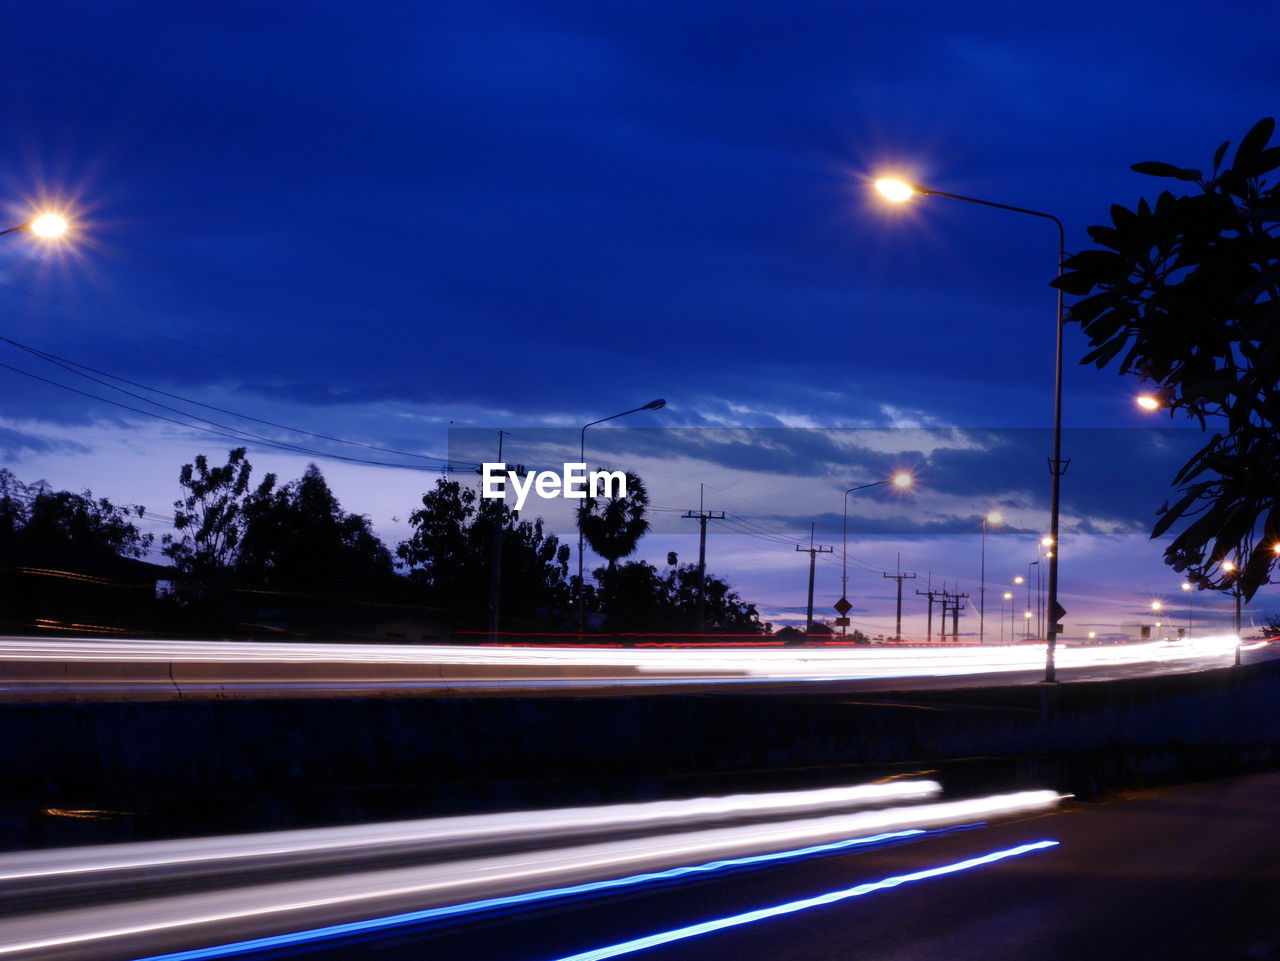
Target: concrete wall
[(127, 771)]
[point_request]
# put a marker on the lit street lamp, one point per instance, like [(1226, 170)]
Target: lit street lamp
[(1036, 565), (48, 226), (901, 479), (1186, 587), (1007, 596), (898, 191), (1230, 568), (582, 459), (995, 517)]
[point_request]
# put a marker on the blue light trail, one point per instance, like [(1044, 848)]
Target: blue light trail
[(761, 914), (295, 938)]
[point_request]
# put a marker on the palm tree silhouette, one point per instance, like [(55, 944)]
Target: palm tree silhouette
[(613, 526)]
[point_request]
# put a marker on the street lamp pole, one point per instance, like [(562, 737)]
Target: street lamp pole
[(582, 459), (898, 191), (994, 518), (1186, 587), (1036, 565), (898, 480)]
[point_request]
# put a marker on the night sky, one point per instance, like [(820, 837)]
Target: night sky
[(378, 221)]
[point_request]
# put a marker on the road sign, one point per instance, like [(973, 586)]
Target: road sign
[(1057, 613), (843, 606), (842, 622)]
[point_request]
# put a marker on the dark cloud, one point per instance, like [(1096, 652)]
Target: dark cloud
[(17, 444)]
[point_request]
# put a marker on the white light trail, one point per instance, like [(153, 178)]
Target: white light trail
[(277, 849), (257, 910), (50, 668)]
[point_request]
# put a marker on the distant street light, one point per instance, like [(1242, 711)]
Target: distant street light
[(995, 517), (582, 458), (899, 191), (1156, 605), (1036, 565), (1007, 597), (1230, 568), (901, 480), (1187, 588)]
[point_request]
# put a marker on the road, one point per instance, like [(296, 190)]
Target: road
[(1191, 872), (1186, 874), (98, 669)]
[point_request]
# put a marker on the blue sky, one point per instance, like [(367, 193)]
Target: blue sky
[(379, 221)]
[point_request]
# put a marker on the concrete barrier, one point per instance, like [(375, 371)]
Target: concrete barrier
[(157, 769)]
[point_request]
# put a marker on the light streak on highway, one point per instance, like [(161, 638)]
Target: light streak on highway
[(386, 922), (110, 668), (256, 910), (830, 897), (316, 846)]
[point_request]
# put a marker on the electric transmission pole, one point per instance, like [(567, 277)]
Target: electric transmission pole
[(934, 596), (952, 602), (900, 577), (813, 553), (702, 516)]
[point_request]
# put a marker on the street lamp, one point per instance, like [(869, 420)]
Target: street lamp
[(899, 191), (901, 479), (995, 517), (1230, 568), (582, 459), (1036, 565), (1147, 402), (46, 226), (1007, 596), (1186, 587)]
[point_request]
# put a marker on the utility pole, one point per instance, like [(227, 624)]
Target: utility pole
[(495, 562), (952, 601), (934, 596), (900, 577), (702, 516), (813, 553)]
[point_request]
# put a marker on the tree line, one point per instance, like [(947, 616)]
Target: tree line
[(254, 554)]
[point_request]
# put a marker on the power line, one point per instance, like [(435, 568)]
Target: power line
[(204, 350), (239, 436), (77, 368)]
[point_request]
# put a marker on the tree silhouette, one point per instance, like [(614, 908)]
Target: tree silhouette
[(613, 526), (450, 557), (298, 538), (1185, 292), (39, 522), (640, 599), (211, 514)]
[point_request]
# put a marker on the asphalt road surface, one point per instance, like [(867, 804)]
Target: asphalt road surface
[(1184, 873)]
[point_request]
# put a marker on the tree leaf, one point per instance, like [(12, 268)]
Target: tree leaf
[(1219, 154), (1102, 355), (1173, 513), (1250, 148), (1155, 168)]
